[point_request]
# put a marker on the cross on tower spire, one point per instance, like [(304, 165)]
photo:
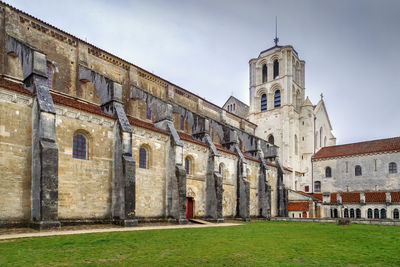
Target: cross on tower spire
[(276, 40)]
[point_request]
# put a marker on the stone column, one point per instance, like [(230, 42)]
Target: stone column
[(44, 172)]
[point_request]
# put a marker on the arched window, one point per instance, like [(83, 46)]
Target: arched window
[(335, 213), (188, 165), (315, 140), (358, 213), (325, 141), (264, 73), (376, 214), (182, 123), (396, 214), (328, 172), (320, 137), (234, 106), (296, 145), (271, 139), (369, 214), (276, 69), (357, 170), (346, 213), (148, 112), (143, 158), (317, 186), (351, 213), (221, 169), (392, 167), (383, 214), (263, 102), (277, 99), (80, 145)]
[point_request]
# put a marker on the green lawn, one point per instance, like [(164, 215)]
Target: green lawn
[(252, 244)]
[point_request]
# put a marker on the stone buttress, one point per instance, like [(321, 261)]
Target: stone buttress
[(124, 172), (264, 189), (44, 171), (282, 192)]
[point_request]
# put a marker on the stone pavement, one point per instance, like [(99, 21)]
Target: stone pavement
[(107, 230)]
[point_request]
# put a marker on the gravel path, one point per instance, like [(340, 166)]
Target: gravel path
[(107, 230)]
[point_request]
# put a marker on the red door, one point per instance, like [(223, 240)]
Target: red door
[(304, 214), (189, 208)]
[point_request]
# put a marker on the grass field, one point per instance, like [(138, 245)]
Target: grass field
[(251, 244)]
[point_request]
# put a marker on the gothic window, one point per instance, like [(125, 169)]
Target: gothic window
[(296, 145), (221, 169), (317, 186), (396, 214), (383, 214), (376, 214), (324, 141), (346, 213), (234, 106), (148, 112), (264, 73), (263, 102), (277, 99), (328, 172), (357, 170), (143, 158), (276, 69), (351, 213), (369, 214), (271, 139), (392, 167), (182, 123), (358, 213), (79, 149)]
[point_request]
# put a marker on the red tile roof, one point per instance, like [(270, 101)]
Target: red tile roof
[(298, 206), (189, 138), (333, 197), (14, 86), (348, 197), (318, 196), (375, 197), (144, 124), (381, 145), (395, 196)]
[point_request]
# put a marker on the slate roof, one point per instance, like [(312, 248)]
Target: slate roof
[(298, 206), (374, 146)]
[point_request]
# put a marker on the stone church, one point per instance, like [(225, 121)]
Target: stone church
[(86, 136)]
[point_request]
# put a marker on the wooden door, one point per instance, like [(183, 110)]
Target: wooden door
[(189, 207)]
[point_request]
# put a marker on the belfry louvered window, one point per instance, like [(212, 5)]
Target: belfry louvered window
[(263, 102), (277, 99), (79, 151), (276, 69), (264, 73)]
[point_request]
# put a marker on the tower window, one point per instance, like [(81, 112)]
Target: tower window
[(276, 69), (187, 165), (328, 172), (263, 102), (264, 73), (79, 146), (392, 167), (277, 99), (317, 186), (357, 170)]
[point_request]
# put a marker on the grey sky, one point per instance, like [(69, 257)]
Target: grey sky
[(351, 48)]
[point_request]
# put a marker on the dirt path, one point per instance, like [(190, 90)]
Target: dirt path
[(106, 230)]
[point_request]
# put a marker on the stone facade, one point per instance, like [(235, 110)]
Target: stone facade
[(87, 136)]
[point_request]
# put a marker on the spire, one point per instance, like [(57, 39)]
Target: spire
[(276, 40)]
